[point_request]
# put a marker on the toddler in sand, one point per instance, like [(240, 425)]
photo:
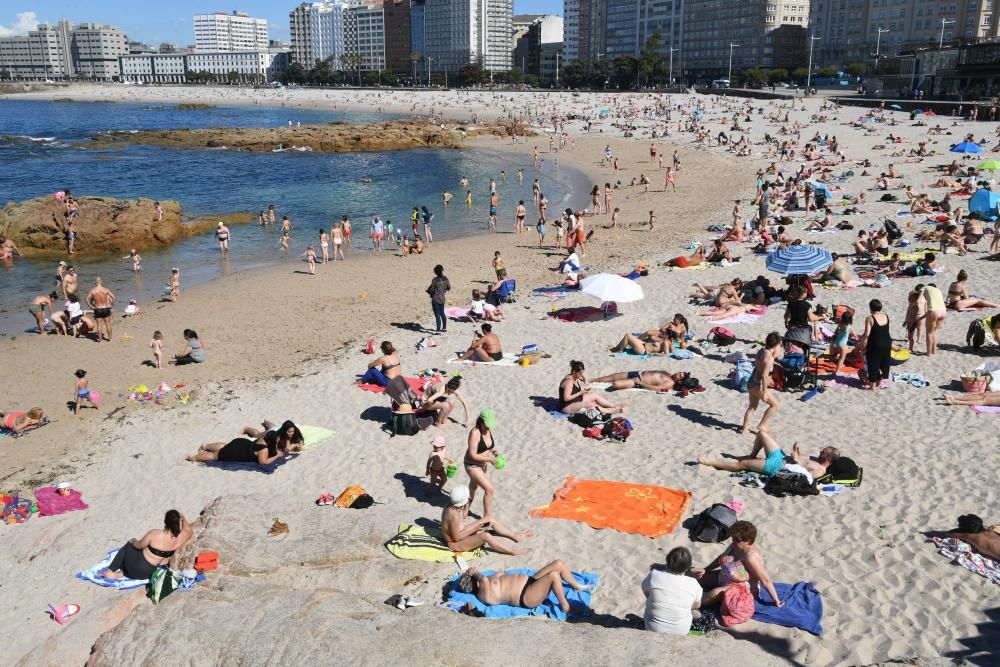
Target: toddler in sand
[(310, 256), (436, 471), (157, 346), (81, 391)]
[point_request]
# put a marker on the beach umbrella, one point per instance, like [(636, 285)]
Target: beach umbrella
[(798, 260), (989, 165), (967, 147), (917, 111), (896, 107), (819, 187), (611, 287)]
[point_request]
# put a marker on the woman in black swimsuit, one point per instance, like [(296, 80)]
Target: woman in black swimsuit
[(481, 452), (877, 344), (254, 446), (138, 558)]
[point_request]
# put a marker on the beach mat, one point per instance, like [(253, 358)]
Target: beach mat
[(579, 603), (827, 365), (122, 584), (579, 314), (419, 543), (653, 511), (963, 554), (802, 607), (240, 466), (508, 360), (416, 384), (315, 435), (50, 503), (985, 409)]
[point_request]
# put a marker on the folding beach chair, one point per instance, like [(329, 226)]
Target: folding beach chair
[(507, 292)]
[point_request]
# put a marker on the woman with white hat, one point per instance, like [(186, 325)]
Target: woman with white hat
[(460, 536)]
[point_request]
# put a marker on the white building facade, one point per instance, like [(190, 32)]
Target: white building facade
[(462, 32), (63, 51), (317, 32), (248, 64), (237, 31), (364, 36), (154, 68)]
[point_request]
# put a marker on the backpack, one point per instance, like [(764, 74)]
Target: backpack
[(888, 197), (721, 336), (786, 483), (892, 230), (713, 524), (975, 337), (589, 417), (618, 428)]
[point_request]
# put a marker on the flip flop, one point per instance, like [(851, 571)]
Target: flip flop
[(62, 613)]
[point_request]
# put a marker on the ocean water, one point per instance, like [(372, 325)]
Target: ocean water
[(44, 148)]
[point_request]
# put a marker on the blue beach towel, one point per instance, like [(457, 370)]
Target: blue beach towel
[(578, 602), (630, 355), (120, 584), (803, 607)]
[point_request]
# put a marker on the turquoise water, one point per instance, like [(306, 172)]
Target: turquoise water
[(44, 148)]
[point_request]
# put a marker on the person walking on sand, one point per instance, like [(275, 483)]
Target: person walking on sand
[(338, 241), (760, 382), (377, 232), (324, 245), (101, 299), (519, 213), (428, 217), (437, 291), (174, 284), (671, 180)]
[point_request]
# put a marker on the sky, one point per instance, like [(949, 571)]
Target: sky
[(154, 22)]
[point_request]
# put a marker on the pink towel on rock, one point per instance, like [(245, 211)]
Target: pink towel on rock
[(50, 503)]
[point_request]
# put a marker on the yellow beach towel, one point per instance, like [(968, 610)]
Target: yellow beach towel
[(314, 435), (418, 543)]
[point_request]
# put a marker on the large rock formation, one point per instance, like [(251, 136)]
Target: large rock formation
[(331, 138), (105, 225), (317, 596)]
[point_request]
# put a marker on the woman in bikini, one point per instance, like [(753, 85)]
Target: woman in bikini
[(253, 445), (337, 232), (649, 342), (481, 453), (389, 367), (575, 394), (936, 310), (137, 559), (324, 244), (440, 398), (595, 199), (520, 590), (760, 382), (17, 422), (958, 295), (742, 562)]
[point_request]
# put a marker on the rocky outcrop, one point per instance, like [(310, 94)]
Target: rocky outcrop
[(331, 138), (105, 225), (317, 596)]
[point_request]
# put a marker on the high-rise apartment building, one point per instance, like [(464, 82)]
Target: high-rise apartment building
[(364, 37), (584, 29), (538, 32), (398, 36), (238, 31), (89, 51), (317, 32), (462, 32)]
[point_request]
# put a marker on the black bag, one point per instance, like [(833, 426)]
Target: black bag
[(589, 417), (975, 337), (364, 501), (888, 197), (405, 424), (713, 524), (785, 483), (892, 230)]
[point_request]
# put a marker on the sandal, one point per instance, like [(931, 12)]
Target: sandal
[(62, 613), (324, 499)]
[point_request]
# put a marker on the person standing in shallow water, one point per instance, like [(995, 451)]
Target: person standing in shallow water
[(437, 290)]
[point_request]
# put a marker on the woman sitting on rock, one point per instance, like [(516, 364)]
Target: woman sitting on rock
[(138, 558)]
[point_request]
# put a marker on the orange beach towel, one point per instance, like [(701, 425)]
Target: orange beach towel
[(653, 511), (852, 364)]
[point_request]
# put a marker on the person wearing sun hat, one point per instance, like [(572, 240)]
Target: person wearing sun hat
[(437, 463), (461, 536), (481, 453)]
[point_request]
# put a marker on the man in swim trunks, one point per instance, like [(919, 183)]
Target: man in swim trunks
[(485, 346), (520, 590), (658, 381), (460, 536), (775, 459), (37, 309), (101, 299)]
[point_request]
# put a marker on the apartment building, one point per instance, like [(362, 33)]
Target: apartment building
[(64, 51), (460, 32), (537, 32), (237, 31), (317, 32), (584, 30), (364, 37), (398, 36), (154, 67)]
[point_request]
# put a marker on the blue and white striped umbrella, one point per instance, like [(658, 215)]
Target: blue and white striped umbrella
[(798, 260), (967, 147)]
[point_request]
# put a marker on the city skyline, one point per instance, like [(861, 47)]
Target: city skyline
[(154, 23)]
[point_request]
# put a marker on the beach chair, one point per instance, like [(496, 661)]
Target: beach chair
[(507, 292)]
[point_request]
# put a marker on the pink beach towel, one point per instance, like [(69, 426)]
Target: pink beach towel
[(985, 409), (416, 384), (50, 503)]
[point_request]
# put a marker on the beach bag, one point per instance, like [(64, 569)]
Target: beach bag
[(721, 336), (787, 483), (777, 378), (737, 605), (888, 197), (206, 560), (843, 471), (349, 496), (975, 337), (618, 428), (370, 346), (713, 524), (892, 230), (741, 378), (405, 424), (589, 417), (162, 583)]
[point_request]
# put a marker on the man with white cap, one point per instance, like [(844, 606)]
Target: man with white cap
[(460, 536)]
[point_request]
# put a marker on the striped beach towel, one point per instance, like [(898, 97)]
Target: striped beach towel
[(419, 543)]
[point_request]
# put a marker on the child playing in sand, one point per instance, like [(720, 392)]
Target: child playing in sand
[(652, 220), (81, 391), (841, 336), (132, 309), (310, 256), (436, 471), (916, 311), (174, 283), (614, 217), (136, 260), (157, 346), (498, 264)]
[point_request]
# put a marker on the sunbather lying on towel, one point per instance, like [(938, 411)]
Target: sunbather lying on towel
[(985, 541), (460, 536), (658, 381), (775, 460), (18, 422), (991, 398), (520, 590), (732, 310)]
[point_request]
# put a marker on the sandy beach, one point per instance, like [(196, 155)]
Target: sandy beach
[(282, 344)]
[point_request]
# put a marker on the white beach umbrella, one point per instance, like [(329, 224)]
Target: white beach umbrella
[(611, 287)]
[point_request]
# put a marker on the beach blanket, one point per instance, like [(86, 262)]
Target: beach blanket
[(419, 543), (8, 433), (579, 314), (802, 607), (630, 355), (578, 602), (508, 360), (50, 503), (416, 384), (315, 435), (249, 466), (457, 312), (122, 584), (653, 511), (985, 409), (961, 552), (554, 289), (851, 365), (696, 267), (742, 318)]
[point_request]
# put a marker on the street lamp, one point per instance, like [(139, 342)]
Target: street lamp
[(878, 43), (812, 41), (557, 69), (731, 47), (429, 59), (670, 76), (944, 22)]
